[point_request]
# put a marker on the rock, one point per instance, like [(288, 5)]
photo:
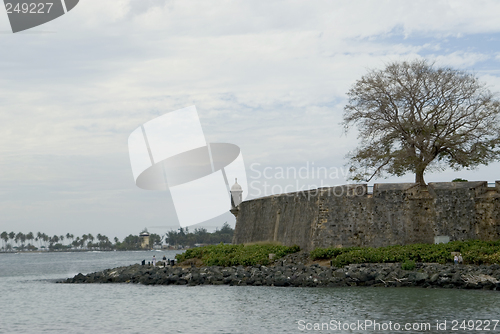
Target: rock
[(417, 277), (434, 278), (360, 276), (339, 273), (294, 271), (281, 281), (457, 278)]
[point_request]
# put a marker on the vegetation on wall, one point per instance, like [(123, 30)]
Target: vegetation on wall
[(459, 180), (473, 252), (232, 255)]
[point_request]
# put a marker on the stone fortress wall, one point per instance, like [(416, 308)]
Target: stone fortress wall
[(395, 214)]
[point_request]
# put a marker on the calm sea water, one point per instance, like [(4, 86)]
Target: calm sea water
[(30, 302)]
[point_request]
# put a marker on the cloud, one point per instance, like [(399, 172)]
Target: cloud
[(270, 77), (459, 59), (345, 19)]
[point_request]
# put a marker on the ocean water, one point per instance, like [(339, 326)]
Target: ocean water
[(30, 302)]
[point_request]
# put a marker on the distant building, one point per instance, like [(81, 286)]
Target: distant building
[(144, 236)]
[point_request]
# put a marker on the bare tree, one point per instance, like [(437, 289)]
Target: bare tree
[(411, 115)]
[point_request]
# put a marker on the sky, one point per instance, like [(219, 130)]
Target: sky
[(268, 76)]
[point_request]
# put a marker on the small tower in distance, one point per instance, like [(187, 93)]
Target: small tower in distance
[(236, 197), (144, 237)]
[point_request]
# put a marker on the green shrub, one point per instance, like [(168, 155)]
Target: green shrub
[(329, 253), (408, 265), (233, 255), (459, 180), (473, 251)]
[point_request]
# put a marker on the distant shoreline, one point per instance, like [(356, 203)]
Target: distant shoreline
[(90, 250)]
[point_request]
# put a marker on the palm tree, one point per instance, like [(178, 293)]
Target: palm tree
[(76, 242), (18, 237), (5, 237), (103, 241), (98, 243), (12, 235), (54, 240), (69, 236), (45, 239), (84, 239), (23, 239), (30, 236), (39, 236)]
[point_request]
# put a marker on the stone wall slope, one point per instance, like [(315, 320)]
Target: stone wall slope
[(396, 213)]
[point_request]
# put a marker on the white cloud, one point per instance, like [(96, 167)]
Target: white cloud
[(268, 76), (459, 59)]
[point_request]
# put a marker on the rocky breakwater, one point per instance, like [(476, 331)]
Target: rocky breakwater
[(283, 273)]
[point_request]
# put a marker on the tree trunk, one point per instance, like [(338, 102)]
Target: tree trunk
[(419, 176)]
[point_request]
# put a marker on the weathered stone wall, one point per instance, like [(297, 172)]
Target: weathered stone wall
[(394, 214), (286, 219)]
